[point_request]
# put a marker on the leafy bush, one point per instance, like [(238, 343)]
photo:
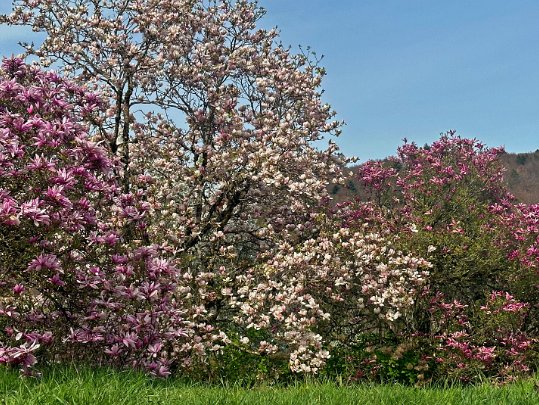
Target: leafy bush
[(386, 358)]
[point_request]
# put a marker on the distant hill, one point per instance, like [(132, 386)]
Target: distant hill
[(521, 175)]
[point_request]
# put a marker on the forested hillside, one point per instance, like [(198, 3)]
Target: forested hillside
[(522, 175)]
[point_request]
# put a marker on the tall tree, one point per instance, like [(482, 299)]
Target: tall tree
[(213, 117)]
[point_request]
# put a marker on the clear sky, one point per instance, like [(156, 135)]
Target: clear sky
[(414, 68)]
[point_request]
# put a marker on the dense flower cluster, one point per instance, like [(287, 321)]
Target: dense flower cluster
[(440, 196), (231, 114), (523, 221), (419, 171)]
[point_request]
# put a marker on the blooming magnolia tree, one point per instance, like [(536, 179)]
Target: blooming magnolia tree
[(68, 284), (210, 115), (214, 122)]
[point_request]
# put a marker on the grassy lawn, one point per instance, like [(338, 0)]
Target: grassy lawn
[(68, 386)]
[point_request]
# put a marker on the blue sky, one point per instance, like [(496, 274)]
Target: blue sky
[(414, 68)]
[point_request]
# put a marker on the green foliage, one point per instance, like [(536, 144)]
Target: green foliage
[(237, 365), (459, 244), (335, 189), (350, 185), (391, 359)]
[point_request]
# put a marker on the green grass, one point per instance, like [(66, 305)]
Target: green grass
[(102, 386)]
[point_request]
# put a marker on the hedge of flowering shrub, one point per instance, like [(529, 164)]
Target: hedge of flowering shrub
[(434, 276), (78, 285), (178, 222)]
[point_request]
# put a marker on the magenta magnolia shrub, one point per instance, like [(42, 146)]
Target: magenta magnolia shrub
[(522, 247), (439, 198), (70, 286), (448, 203)]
